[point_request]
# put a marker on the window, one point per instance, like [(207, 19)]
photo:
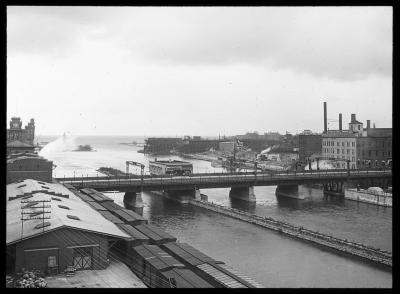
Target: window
[(51, 261), (342, 151), (352, 144), (388, 153), (343, 144), (338, 151), (348, 144), (358, 127), (383, 153), (376, 153), (348, 151), (337, 144), (352, 152)]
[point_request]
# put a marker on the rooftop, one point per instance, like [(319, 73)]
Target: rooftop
[(17, 143), (66, 210)]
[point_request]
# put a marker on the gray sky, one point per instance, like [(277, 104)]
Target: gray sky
[(196, 70)]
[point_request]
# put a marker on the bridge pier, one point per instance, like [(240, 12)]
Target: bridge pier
[(291, 191), (183, 196), (243, 193), (134, 201)]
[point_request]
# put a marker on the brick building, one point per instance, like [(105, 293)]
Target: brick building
[(28, 166), (309, 144), (362, 147)]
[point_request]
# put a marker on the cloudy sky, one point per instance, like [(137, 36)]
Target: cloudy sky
[(197, 70)]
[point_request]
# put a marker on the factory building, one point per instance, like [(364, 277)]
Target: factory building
[(23, 166), (361, 147), (309, 144), (50, 228), (197, 144)]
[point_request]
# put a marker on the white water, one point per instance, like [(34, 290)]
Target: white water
[(62, 144)]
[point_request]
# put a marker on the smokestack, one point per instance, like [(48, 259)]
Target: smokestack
[(325, 120), (368, 124), (353, 117), (340, 122)]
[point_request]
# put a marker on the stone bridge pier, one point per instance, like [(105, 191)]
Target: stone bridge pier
[(243, 193), (183, 196), (134, 201), (291, 191)]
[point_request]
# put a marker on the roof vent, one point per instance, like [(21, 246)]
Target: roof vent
[(55, 198), (42, 183), (42, 225), (63, 207), (73, 217), (20, 186), (45, 187)]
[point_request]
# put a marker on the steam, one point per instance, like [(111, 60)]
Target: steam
[(62, 144)]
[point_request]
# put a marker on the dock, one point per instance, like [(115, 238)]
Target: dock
[(362, 251)]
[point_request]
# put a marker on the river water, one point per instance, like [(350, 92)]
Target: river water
[(272, 259)]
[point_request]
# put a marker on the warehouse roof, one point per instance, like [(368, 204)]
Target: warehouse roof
[(65, 210)]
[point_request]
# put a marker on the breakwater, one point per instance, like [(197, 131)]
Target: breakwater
[(342, 245)]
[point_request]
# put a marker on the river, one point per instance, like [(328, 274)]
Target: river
[(272, 259)]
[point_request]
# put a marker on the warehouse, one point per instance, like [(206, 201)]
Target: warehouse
[(57, 229), (28, 166)]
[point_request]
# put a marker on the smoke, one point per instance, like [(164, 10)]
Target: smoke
[(62, 144)]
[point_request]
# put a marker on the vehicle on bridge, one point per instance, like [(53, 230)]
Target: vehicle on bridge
[(170, 167)]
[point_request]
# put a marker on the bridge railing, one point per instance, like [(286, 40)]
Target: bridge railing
[(226, 178)]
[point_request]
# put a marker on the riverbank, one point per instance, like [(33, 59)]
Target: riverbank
[(342, 245)]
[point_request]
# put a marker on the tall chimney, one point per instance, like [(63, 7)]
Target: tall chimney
[(368, 124), (353, 117), (325, 119), (340, 122)]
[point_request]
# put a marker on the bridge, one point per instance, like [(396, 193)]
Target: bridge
[(184, 188)]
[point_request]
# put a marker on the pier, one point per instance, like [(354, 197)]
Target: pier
[(341, 245)]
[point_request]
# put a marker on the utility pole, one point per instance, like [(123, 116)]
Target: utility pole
[(29, 211)]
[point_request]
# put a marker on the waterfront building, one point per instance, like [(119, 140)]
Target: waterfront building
[(359, 146), (16, 133), (309, 143), (65, 232), (161, 145), (24, 166), (197, 145), (16, 147), (170, 167)]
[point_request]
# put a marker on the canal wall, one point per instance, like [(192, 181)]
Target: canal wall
[(342, 245), (381, 199)]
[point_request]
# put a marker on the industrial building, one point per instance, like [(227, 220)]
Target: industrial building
[(358, 146), (170, 167), (309, 144), (161, 145), (23, 166), (49, 228)]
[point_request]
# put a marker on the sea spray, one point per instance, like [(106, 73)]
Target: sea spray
[(62, 144)]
